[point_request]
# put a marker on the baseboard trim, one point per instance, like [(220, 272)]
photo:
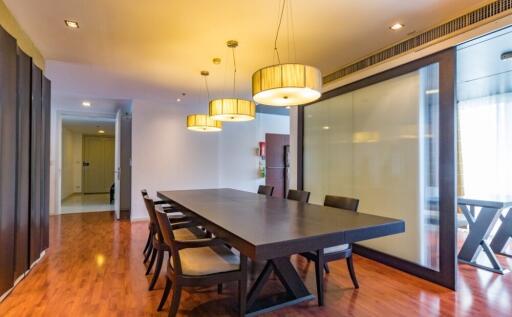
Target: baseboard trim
[(4, 295), (22, 276), (138, 219)]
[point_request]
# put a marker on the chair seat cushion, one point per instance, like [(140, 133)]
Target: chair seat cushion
[(336, 248), (205, 261), (182, 234), (175, 215)]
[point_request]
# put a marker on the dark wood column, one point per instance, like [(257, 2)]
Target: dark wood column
[(23, 169), (45, 208), (35, 165), (7, 158)]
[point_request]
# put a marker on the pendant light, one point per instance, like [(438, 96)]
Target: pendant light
[(286, 84), (232, 109), (202, 122)]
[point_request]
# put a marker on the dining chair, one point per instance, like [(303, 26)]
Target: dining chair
[(266, 190), (298, 195), (172, 212), (343, 251), (199, 262), (158, 248)]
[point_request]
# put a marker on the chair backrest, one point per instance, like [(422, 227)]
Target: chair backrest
[(266, 190), (150, 206), (298, 195), (169, 239), (340, 202)]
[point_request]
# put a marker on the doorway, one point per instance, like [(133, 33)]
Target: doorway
[(277, 163), (87, 165)]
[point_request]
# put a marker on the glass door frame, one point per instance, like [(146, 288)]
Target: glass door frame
[(447, 274)]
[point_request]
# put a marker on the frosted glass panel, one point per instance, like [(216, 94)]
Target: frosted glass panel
[(380, 144)]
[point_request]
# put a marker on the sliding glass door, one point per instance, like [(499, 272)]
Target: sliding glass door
[(384, 140)]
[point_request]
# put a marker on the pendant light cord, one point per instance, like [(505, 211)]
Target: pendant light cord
[(277, 32), (234, 73), (207, 90)]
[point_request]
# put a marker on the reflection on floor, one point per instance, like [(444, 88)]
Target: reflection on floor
[(86, 203), (94, 268)]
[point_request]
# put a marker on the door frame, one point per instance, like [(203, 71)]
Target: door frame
[(447, 274), (57, 174)]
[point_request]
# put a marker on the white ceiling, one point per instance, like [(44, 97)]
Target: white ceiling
[(89, 126), (156, 49), (73, 104)]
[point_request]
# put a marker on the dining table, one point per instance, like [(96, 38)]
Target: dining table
[(271, 229)]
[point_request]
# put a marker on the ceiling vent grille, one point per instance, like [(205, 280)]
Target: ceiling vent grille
[(457, 24)]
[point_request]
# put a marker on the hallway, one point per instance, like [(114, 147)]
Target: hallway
[(86, 203)]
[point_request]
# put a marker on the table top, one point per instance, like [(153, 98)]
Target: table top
[(487, 201), (262, 227)]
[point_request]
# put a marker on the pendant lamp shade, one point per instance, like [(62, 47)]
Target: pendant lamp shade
[(203, 123), (286, 85), (232, 109)]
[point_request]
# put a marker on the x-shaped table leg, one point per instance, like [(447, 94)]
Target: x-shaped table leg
[(479, 230), (503, 234)]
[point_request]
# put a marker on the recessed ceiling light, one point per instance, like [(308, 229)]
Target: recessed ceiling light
[(101, 131), (86, 103), (396, 26), (326, 127), (71, 24), (178, 100)]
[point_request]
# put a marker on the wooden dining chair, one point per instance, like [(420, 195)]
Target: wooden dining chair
[(343, 251), (173, 213), (200, 262), (158, 248), (298, 195), (266, 190)]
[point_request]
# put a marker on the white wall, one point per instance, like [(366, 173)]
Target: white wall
[(71, 163), (238, 163), (165, 155), (67, 163), (77, 162)]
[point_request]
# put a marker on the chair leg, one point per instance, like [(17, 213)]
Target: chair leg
[(326, 268), (242, 286), (148, 243), (350, 265), (148, 254), (167, 289), (219, 288), (319, 270), (158, 268), (152, 261), (175, 303)]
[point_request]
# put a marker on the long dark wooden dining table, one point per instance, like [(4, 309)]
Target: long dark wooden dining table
[(271, 229)]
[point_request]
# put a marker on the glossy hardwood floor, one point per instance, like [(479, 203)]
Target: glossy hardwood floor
[(94, 268)]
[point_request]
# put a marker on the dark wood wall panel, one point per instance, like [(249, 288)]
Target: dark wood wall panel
[(23, 169), (35, 165), (46, 114), (7, 158)]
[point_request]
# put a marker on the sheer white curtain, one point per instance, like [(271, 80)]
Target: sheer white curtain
[(486, 145)]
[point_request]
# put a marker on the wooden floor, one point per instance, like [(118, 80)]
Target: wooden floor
[(94, 268)]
